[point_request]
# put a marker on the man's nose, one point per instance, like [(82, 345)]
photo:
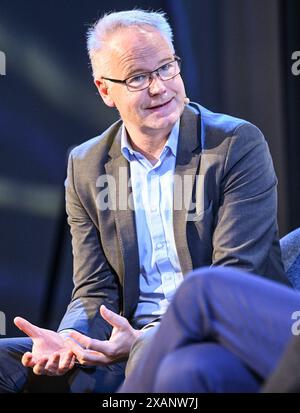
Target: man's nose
[(157, 85)]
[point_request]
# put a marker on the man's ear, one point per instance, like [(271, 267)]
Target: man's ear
[(104, 92)]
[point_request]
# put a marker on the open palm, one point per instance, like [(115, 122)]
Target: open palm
[(50, 355)]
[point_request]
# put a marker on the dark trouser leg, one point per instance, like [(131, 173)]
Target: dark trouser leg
[(203, 368), (16, 378), (246, 314), (286, 377), (13, 376)]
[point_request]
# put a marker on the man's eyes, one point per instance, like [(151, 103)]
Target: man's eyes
[(143, 76), (137, 78), (166, 67)]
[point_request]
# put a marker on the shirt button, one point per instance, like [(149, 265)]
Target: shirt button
[(159, 245)]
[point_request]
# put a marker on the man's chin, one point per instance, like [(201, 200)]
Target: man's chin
[(164, 122)]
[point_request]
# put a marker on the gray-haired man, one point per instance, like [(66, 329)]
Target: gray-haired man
[(202, 191)]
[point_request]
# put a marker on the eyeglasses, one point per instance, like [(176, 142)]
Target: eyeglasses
[(142, 81)]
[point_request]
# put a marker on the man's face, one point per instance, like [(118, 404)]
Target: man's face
[(135, 50)]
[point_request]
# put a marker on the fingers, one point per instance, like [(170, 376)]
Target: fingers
[(83, 340), (28, 360), (59, 364), (88, 343), (28, 328), (51, 368), (39, 367), (88, 357), (112, 318), (66, 363), (55, 365)]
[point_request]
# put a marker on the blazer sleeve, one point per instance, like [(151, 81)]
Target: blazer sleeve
[(95, 283), (246, 221)]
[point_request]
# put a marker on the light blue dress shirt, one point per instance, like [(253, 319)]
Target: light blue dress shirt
[(152, 188)]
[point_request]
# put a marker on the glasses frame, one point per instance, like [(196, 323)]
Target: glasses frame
[(150, 77)]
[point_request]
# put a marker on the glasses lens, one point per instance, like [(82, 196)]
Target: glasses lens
[(138, 82), (142, 81), (169, 70)]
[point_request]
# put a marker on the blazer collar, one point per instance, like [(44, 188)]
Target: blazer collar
[(189, 136), (187, 164)]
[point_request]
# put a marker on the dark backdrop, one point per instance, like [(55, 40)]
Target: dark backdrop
[(236, 59)]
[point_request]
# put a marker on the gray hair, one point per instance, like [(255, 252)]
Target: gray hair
[(113, 21)]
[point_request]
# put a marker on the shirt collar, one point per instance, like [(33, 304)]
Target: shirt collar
[(171, 143)]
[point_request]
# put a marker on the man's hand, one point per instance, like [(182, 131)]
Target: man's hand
[(51, 355), (93, 352)]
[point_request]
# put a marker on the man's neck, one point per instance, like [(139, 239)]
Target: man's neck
[(148, 145)]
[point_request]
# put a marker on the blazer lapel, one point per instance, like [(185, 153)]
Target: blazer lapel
[(118, 168), (187, 164)]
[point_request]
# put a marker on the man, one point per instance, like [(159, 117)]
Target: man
[(202, 192)]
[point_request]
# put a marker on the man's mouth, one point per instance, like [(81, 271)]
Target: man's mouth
[(160, 106)]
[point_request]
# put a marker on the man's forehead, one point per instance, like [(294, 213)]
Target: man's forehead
[(133, 46), (128, 39)]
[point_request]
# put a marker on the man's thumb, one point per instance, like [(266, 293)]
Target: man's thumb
[(27, 328), (112, 318)]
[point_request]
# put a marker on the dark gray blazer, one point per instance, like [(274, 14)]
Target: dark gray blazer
[(229, 219)]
